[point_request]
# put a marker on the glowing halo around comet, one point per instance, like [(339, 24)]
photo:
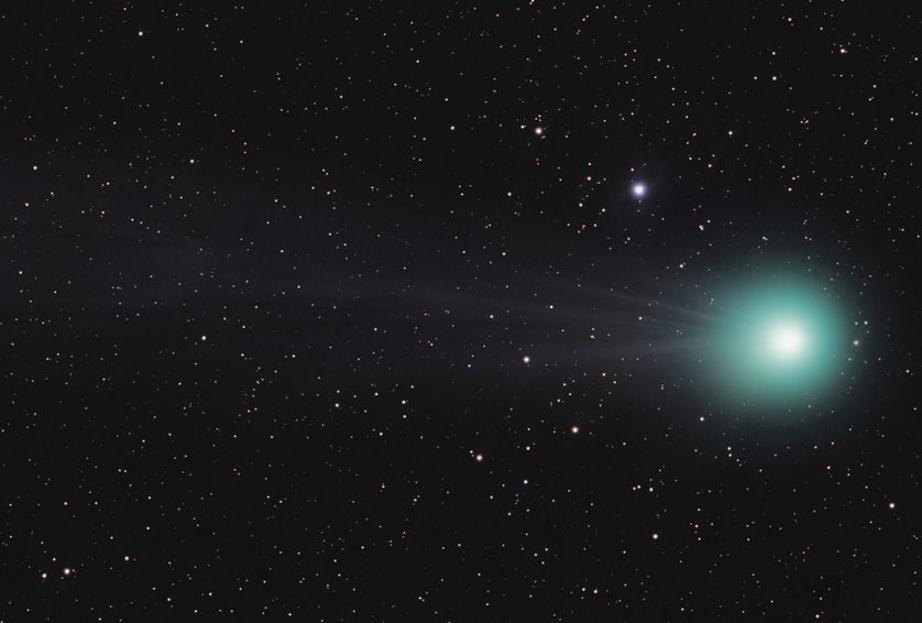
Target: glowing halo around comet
[(779, 342)]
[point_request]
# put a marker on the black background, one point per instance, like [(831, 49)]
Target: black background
[(270, 272)]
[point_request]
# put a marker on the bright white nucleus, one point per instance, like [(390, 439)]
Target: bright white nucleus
[(787, 341)]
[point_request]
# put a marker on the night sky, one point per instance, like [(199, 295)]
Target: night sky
[(407, 311)]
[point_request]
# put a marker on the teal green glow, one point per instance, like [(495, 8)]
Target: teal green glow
[(780, 342)]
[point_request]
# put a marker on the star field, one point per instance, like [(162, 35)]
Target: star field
[(396, 311)]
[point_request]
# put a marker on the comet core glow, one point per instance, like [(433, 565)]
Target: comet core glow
[(777, 342), (786, 342)]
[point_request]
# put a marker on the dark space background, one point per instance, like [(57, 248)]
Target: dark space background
[(271, 273)]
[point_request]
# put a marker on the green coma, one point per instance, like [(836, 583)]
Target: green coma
[(778, 342)]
